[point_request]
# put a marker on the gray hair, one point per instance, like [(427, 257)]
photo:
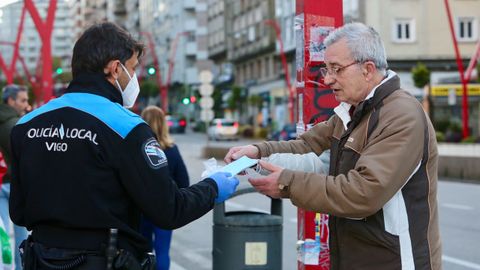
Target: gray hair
[(11, 91), (363, 41)]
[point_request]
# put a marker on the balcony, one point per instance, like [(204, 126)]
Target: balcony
[(191, 48), (189, 4), (191, 75), (120, 7), (190, 25)]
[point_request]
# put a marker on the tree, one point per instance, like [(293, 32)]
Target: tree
[(65, 77), (217, 102), (56, 63), (148, 88), (256, 102), (420, 75), (234, 99)]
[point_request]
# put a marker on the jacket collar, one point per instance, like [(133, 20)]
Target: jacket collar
[(391, 81), (95, 83)]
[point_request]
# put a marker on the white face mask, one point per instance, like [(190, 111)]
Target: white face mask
[(130, 94)]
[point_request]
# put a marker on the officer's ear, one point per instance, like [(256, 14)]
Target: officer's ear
[(112, 69)]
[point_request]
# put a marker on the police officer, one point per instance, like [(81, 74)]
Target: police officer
[(82, 165)]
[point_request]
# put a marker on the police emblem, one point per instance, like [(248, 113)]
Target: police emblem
[(154, 154)]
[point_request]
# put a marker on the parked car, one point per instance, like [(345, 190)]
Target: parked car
[(223, 129), (176, 124), (288, 132)]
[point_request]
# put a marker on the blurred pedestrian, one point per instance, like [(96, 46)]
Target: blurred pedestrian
[(15, 104), (84, 168), (155, 118), (381, 189)]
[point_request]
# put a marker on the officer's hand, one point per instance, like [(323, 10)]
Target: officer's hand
[(239, 151), (226, 185)]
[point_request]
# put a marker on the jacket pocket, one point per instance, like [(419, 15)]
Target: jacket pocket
[(364, 246), (369, 234)]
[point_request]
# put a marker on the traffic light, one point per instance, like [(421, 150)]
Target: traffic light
[(186, 101), (193, 99), (59, 70), (151, 70)]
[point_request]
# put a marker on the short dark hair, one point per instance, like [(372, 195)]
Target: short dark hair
[(11, 91), (100, 44)]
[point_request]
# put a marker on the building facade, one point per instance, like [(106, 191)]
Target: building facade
[(122, 12), (418, 31), (179, 31), (251, 47)]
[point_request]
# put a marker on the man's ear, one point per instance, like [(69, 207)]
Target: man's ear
[(369, 69), (112, 69), (10, 102)]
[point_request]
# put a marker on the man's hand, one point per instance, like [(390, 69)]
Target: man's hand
[(268, 185), (238, 151)]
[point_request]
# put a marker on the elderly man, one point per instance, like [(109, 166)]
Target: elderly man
[(15, 104), (382, 185)]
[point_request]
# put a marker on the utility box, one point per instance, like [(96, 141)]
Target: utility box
[(247, 240)]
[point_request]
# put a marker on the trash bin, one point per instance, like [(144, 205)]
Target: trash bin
[(246, 239)]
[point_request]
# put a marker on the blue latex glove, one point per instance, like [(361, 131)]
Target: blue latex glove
[(226, 185)]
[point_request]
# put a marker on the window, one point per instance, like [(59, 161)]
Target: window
[(251, 33), (467, 29), (403, 30), (267, 67), (259, 69)]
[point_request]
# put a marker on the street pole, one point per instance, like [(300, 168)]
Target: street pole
[(313, 21), (461, 71), (45, 29), (291, 90)]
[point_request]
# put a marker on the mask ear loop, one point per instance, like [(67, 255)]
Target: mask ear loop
[(125, 69), (128, 74)]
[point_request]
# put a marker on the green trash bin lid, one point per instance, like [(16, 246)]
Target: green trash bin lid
[(252, 219)]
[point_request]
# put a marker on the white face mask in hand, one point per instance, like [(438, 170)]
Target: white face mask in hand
[(130, 94)]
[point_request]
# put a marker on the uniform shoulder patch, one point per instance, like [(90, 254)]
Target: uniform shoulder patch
[(154, 154)]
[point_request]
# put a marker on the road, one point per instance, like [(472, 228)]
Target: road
[(459, 210)]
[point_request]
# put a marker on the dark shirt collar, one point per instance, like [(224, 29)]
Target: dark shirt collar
[(94, 83)]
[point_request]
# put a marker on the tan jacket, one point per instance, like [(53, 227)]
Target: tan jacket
[(382, 187)]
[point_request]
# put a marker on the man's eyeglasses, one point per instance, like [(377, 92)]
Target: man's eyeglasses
[(334, 71)]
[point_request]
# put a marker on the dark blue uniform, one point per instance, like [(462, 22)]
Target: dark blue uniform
[(83, 164)]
